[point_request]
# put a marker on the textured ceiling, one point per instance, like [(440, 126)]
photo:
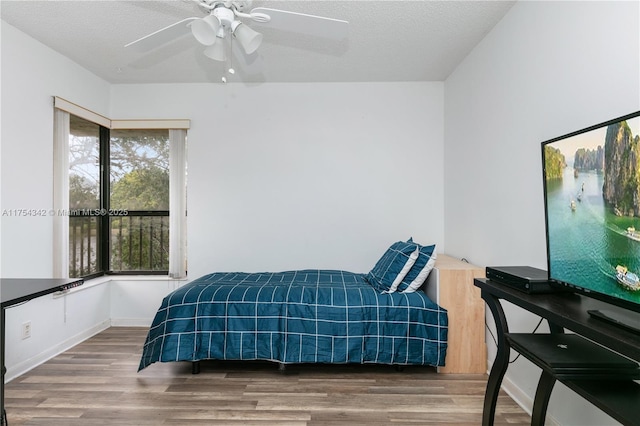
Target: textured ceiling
[(388, 40)]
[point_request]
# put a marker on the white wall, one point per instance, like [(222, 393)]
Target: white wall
[(548, 68), (31, 75), (57, 324), (134, 300), (292, 176)]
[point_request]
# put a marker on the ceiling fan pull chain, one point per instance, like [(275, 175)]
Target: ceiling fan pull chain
[(231, 70), (224, 73), (224, 63)]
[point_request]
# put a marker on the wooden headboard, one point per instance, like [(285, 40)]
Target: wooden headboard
[(450, 285)]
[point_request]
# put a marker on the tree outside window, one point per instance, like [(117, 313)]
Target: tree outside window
[(128, 230)]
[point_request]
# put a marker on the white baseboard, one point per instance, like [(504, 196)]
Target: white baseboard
[(31, 363), (131, 322)]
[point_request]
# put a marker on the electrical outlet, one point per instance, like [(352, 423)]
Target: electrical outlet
[(26, 330)]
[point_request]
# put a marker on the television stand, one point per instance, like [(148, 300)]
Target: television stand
[(610, 387), (629, 321)]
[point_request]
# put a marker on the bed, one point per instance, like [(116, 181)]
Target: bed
[(304, 316)]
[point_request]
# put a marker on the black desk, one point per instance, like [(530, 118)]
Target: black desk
[(619, 399), (14, 291)]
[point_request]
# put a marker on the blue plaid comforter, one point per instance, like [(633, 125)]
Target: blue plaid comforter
[(307, 316)]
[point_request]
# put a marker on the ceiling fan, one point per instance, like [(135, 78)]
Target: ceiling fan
[(223, 21)]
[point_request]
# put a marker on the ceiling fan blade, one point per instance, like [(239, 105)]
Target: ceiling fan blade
[(304, 24), (162, 36)]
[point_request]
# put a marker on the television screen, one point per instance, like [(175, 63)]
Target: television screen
[(592, 207)]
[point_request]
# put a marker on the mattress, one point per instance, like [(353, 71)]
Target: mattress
[(305, 316)]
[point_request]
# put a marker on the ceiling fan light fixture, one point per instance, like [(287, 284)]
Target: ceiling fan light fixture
[(249, 39), (205, 30), (216, 51)]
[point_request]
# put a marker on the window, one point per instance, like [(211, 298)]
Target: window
[(114, 187), (139, 200), (135, 213), (85, 256)]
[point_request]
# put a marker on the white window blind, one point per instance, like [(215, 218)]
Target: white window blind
[(60, 194), (177, 203)]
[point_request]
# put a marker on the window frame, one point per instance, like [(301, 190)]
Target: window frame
[(177, 129), (104, 244)]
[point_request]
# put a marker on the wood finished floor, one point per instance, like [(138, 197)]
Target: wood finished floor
[(97, 383)]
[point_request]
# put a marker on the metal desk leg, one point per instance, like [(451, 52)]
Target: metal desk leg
[(501, 362), (3, 412), (544, 389), (541, 401)]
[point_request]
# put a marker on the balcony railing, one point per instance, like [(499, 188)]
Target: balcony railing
[(139, 243), (83, 246)]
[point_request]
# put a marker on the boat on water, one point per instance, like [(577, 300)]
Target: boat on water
[(572, 205), (633, 234), (626, 279)]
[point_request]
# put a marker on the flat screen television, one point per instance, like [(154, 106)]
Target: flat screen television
[(592, 212)]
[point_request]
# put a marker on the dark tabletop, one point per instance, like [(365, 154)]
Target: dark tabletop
[(17, 290)]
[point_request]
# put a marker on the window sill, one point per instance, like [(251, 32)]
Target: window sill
[(106, 279)]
